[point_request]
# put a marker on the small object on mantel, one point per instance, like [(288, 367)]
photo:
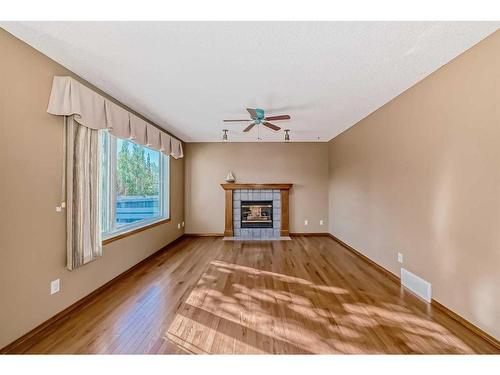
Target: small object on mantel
[(230, 177)]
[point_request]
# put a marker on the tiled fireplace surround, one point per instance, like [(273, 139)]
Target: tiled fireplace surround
[(257, 195), (277, 193)]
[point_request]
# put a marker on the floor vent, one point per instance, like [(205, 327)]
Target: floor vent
[(417, 285)]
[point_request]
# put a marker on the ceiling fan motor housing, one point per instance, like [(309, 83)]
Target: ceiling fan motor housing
[(260, 115)]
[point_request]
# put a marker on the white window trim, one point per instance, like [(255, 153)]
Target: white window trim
[(111, 199)]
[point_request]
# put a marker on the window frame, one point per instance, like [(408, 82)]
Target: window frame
[(109, 231)]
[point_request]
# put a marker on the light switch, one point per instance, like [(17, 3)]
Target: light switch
[(54, 286)]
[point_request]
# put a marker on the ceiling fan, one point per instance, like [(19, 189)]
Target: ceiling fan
[(257, 117)]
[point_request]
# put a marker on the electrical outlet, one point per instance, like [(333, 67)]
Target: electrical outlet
[(321, 222), (55, 286), (58, 209), (306, 222), (178, 225), (400, 258), (183, 224)]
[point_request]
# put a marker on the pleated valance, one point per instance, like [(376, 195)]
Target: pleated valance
[(70, 98)]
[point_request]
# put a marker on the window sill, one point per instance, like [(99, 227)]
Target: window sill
[(133, 231)]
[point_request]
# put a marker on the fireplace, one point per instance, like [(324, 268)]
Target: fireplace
[(257, 214), (268, 222)]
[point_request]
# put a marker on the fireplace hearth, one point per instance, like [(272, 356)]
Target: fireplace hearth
[(256, 214)]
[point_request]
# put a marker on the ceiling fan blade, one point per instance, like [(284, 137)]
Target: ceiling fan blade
[(249, 127), (253, 113), (271, 126), (280, 117), (237, 120)]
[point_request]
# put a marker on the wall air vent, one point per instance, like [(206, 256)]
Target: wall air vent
[(417, 285)]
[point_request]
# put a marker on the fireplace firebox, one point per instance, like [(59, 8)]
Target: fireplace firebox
[(256, 214)]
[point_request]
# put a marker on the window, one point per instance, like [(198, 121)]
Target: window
[(134, 185)]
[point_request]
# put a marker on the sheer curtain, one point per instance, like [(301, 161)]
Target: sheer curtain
[(82, 194)]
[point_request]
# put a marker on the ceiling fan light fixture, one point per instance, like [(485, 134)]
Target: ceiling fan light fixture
[(224, 135), (257, 118), (287, 135)]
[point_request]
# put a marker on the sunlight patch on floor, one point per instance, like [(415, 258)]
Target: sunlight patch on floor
[(239, 309)]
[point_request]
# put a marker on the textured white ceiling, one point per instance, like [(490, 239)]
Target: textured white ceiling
[(188, 76)]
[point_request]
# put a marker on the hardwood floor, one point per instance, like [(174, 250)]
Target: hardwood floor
[(206, 295)]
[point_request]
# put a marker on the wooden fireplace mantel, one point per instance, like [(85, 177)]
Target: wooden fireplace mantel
[(284, 191), (236, 186)]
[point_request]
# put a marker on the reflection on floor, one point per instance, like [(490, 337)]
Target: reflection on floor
[(237, 309), (206, 295)]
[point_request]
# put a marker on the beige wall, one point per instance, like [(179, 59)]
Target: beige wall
[(303, 164), (32, 233), (422, 176)]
